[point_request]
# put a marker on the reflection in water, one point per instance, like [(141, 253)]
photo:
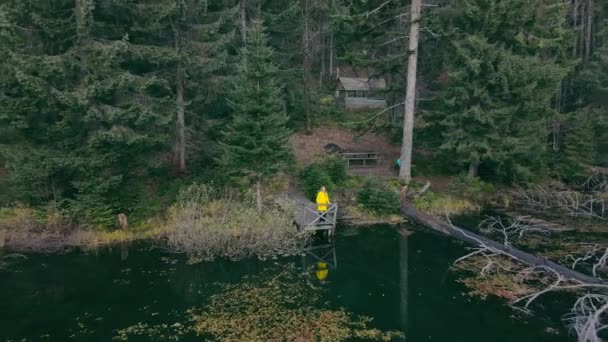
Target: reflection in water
[(324, 259), (403, 277), (383, 274), (124, 250)]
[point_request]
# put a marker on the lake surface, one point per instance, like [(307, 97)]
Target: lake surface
[(403, 282)]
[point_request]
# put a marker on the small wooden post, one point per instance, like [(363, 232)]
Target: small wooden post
[(122, 222)]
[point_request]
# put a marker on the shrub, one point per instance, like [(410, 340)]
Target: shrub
[(329, 172), (336, 169), (471, 188), (440, 204), (312, 178), (40, 230), (208, 223), (376, 198)]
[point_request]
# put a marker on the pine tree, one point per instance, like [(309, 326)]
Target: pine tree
[(579, 150), (503, 68), (255, 143), (590, 93), (198, 34), (84, 122)]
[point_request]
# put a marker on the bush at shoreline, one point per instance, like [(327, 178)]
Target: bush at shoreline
[(208, 223)]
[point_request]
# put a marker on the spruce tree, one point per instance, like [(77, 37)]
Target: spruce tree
[(590, 91), (579, 150), (503, 65), (198, 34), (255, 144), (83, 121)]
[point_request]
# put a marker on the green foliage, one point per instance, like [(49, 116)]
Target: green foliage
[(590, 88), (88, 98), (336, 169), (471, 188), (88, 104), (579, 151), (500, 82), (375, 197), (329, 172), (442, 204), (255, 143), (312, 178)]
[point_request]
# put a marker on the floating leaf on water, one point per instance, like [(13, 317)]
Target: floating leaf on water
[(280, 307)]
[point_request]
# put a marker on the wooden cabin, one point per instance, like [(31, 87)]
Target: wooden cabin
[(359, 93)]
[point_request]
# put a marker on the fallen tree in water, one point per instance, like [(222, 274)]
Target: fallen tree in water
[(589, 313), (493, 246)]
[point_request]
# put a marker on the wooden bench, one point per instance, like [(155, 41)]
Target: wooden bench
[(364, 157)]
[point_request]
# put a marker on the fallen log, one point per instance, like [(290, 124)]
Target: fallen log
[(476, 239)]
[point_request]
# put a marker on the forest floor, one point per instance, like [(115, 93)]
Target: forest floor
[(308, 147)]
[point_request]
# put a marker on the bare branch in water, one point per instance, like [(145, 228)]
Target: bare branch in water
[(588, 316), (509, 228), (540, 198)]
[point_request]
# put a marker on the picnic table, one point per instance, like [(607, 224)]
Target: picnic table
[(361, 157)]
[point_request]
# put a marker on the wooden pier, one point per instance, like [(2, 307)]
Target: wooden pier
[(309, 219)]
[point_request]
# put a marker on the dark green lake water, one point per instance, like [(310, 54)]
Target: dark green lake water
[(403, 282)]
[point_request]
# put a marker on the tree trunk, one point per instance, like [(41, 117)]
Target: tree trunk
[(322, 73), (81, 12), (180, 127), (307, 69), (243, 19), (575, 8), (581, 30), (403, 278), (555, 124), (478, 240), (79, 15), (258, 196), (473, 169), (589, 29), (405, 172), (259, 11), (556, 134), (331, 55)]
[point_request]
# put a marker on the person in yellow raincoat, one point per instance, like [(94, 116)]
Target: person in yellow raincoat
[(322, 271), (322, 200)]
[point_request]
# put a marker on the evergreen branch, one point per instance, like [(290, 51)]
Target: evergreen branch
[(372, 118)]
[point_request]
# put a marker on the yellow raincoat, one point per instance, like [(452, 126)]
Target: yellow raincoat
[(322, 201), (322, 271)]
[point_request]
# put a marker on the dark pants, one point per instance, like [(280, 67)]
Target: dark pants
[(323, 216)]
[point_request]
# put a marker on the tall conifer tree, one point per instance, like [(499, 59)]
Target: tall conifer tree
[(503, 68), (255, 143)]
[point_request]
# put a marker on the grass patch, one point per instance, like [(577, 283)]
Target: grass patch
[(36, 230), (360, 216), (208, 223), (441, 204)]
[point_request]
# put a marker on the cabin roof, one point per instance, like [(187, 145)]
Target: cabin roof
[(361, 84)]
